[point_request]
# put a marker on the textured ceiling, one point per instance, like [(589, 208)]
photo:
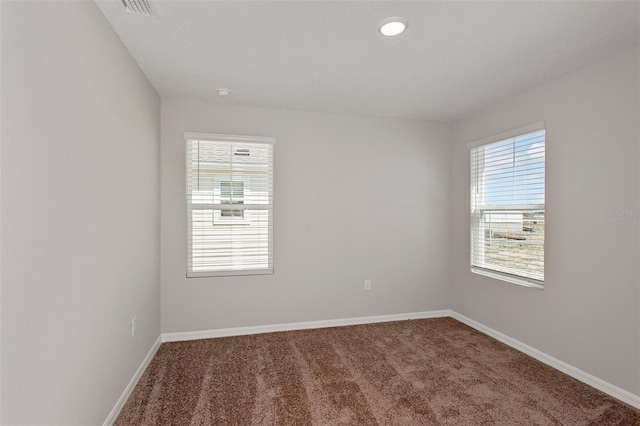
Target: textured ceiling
[(455, 57)]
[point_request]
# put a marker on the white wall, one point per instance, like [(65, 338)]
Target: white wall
[(355, 198), (588, 313), (80, 214), (80, 130)]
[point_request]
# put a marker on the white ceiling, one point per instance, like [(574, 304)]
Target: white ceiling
[(455, 57)]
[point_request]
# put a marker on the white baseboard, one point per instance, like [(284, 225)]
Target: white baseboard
[(576, 373), (111, 418), (239, 331)]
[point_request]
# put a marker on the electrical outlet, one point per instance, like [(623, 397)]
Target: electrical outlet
[(133, 326), (367, 285)]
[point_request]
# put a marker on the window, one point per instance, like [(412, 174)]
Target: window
[(229, 205), (508, 206), (232, 193)]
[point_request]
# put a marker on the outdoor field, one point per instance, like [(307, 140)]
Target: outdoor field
[(513, 249)]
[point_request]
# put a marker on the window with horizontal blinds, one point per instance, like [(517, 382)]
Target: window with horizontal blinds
[(508, 206), (229, 205)]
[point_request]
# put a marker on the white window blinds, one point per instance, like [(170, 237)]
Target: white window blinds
[(508, 206), (229, 205)]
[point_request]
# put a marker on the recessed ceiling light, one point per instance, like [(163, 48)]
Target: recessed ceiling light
[(224, 93), (393, 26)]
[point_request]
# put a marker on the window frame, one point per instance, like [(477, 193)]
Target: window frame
[(268, 207), (476, 216)]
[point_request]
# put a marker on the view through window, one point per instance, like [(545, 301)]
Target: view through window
[(229, 205), (508, 206)]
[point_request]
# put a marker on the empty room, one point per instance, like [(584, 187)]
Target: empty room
[(319, 212)]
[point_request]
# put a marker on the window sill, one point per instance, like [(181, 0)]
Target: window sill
[(206, 274), (508, 278)]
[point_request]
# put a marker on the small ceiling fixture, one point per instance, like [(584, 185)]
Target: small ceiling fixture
[(393, 26), (224, 93)]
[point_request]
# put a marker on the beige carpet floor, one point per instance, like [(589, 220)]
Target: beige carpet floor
[(419, 372)]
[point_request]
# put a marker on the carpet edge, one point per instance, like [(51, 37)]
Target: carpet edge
[(578, 374), (241, 331)]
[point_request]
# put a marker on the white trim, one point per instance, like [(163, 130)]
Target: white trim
[(502, 276), (591, 380), (113, 415), (240, 331), (228, 138), (534, 127), (239, 272)]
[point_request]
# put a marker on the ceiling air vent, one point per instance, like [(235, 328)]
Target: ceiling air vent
[(139, 8)]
